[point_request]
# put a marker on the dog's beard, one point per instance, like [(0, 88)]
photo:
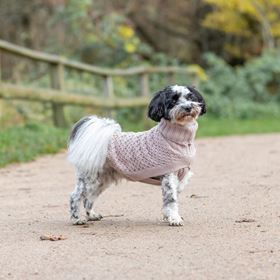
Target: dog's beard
[(180, 116)]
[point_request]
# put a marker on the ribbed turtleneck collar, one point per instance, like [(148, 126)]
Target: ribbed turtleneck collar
[(176, 132)]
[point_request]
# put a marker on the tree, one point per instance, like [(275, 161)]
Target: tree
[(247, 19)]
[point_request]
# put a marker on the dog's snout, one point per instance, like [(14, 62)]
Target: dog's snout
[(187, 108)]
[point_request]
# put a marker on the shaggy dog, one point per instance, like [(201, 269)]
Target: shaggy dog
[(103, 154)]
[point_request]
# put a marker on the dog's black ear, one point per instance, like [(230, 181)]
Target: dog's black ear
[(199, 99), (156, 109)]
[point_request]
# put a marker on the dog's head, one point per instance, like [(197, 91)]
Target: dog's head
[(178, 104)]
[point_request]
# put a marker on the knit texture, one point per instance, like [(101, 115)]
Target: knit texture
[(142, 156)]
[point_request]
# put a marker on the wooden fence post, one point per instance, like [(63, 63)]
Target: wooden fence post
[(145, 85), (57, 82), (145, 90), (108, 87), (109, 92), (0, 66)]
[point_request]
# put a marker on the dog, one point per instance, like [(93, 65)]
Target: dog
[(102, 154)]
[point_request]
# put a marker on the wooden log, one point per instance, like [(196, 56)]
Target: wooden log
[(8, 91), (54, 59)]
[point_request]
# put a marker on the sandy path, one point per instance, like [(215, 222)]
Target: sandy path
[(235, 178)]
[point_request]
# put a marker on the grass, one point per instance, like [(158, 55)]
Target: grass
[(25, 143), (210, 127)]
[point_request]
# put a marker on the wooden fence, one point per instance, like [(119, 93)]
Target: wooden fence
[(58, 96)]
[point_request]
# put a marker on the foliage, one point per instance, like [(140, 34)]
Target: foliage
[(246, 91), (25, 143), (234, 15), (124, 33), (107, 41), (257, 20)]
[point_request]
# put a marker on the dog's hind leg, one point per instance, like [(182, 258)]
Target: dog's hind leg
[(94, 188), (169, 185), (75, 200)]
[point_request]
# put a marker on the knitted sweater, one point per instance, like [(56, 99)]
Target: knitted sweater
[(143, 156)]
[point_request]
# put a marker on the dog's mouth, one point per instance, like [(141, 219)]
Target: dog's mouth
[(183, 115), (188, 116)]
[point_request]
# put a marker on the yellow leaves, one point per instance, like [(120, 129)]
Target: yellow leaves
[(235, 16), (130, 41), (273, 2), (245, 7), (275, 29), (197, 71), (242, 6), (228, 22), (130, 47), (125, 31)]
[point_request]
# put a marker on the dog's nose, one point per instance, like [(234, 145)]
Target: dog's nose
[(187, 108)]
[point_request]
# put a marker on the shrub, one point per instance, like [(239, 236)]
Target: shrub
[(246, 91)]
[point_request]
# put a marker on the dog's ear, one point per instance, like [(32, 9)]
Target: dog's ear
[(199, 99), (156, 109)]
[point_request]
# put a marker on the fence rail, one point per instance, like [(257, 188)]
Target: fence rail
[(58, 95)]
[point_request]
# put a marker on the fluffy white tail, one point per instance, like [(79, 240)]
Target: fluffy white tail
[(88, 144)]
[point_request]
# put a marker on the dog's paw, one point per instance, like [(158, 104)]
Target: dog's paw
[(94, 217), (175, 221), (77, 222)]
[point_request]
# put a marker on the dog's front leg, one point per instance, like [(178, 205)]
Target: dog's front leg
[(169, 185), (184, 182)]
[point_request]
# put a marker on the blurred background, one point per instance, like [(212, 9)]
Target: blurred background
[(229, 48)]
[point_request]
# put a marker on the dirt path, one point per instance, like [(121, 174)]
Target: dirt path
[(235, 178)]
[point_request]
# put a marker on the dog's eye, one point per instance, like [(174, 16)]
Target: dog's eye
[(190, 96), (175, 97)]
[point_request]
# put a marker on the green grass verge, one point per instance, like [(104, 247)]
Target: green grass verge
[(25, 143), (209, 127)]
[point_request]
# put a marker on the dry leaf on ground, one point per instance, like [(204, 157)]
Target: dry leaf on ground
[(245, 220), (51, 237)]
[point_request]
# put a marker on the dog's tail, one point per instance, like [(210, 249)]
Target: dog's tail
[(88, 143)]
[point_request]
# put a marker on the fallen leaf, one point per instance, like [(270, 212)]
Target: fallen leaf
[(261, 251), (245, 220), (113, 216), (52, 237), (198, 196)]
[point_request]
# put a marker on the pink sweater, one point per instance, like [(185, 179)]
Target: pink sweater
[(142, 156)]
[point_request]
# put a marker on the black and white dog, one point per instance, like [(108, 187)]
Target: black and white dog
[(90, 138)]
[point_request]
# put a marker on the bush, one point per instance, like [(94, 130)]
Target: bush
[(243, 92)]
